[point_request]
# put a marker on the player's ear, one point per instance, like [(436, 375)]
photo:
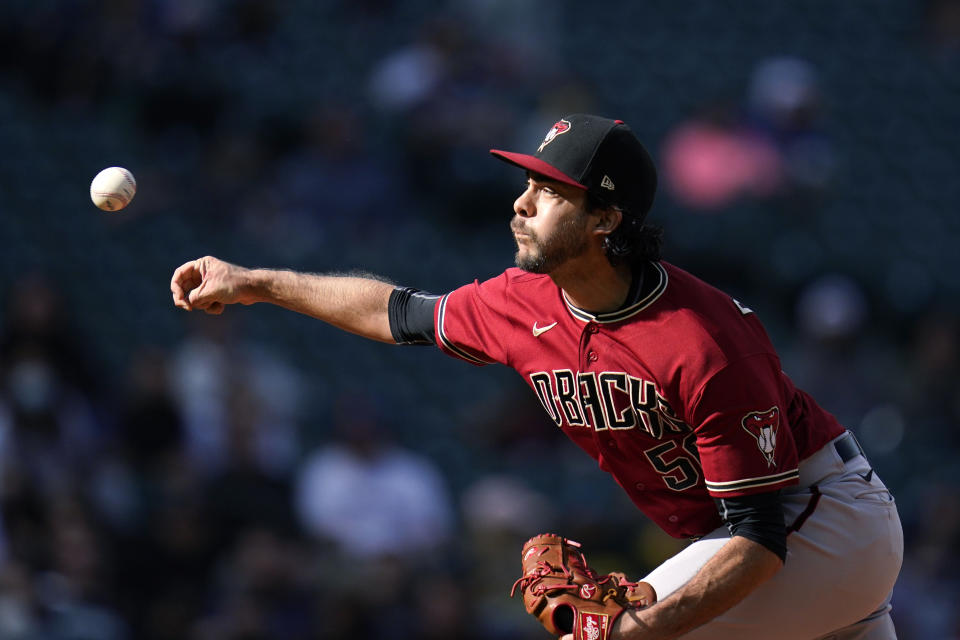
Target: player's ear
[(608, 219)]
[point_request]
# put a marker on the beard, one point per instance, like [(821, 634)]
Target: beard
[(545, 254)]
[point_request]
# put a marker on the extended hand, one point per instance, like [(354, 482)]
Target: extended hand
[(209, 284)]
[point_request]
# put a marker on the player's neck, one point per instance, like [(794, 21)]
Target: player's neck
[(598, 287)]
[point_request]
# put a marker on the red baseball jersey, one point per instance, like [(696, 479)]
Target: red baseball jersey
[(679, 395)]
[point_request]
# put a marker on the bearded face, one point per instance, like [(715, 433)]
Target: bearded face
[(544, 251)]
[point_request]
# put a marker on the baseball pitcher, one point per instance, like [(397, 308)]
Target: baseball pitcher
[(673, 387)]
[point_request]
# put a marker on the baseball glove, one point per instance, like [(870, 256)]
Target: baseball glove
[(567, 596)]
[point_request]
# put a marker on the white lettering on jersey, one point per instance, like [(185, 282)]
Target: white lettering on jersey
[(610, 400)]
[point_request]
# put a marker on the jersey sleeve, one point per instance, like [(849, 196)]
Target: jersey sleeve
[(471, 323), (744, 439)]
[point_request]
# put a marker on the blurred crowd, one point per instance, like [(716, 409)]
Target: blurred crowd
[(255, 476)]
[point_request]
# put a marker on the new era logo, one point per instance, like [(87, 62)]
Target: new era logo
[(607, 183)]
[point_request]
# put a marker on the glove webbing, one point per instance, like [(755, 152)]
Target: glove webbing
[(542, 569)]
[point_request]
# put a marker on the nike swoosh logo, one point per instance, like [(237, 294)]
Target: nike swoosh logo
[(538, 330)]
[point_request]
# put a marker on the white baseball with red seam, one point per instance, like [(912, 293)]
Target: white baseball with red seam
[(113, 188)]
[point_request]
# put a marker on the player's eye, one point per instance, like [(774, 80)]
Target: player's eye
[(540, 187)]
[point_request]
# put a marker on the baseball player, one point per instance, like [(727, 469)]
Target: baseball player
[(670, 385)]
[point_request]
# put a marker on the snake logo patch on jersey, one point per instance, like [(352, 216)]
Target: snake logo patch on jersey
[(763, 426), (562, 126)]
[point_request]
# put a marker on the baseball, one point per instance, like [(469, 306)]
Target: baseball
[(113, 188)]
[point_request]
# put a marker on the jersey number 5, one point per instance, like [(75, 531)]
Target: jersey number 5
[(679, 472)]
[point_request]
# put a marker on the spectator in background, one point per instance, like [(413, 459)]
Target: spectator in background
[(769, 145), (326, 178), (441, 98), (378, 514), (47, 386), (709, 161), (244, 495), (264, 590), (785, 106), (150, 426), (75, 591), (369, 496), (831, 358), (179, 526), (49, 432), (933, 360), (37, 321), (498, 510), (929, 588), (209, 371)]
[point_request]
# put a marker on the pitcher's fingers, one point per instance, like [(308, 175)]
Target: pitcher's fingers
[(196, 297), (180, 304), (184, 279)]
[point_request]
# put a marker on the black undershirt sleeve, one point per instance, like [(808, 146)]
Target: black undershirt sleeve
[(758, 517), (411, 316)]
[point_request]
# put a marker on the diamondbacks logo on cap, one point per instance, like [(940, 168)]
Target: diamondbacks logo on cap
[(763, 425), (562, 126)]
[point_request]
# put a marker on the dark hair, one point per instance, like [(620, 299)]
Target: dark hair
[(632, 241)]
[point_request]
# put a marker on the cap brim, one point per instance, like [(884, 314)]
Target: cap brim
[(536, 165)]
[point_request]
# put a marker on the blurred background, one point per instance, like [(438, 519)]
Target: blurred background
[(258, 475)]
